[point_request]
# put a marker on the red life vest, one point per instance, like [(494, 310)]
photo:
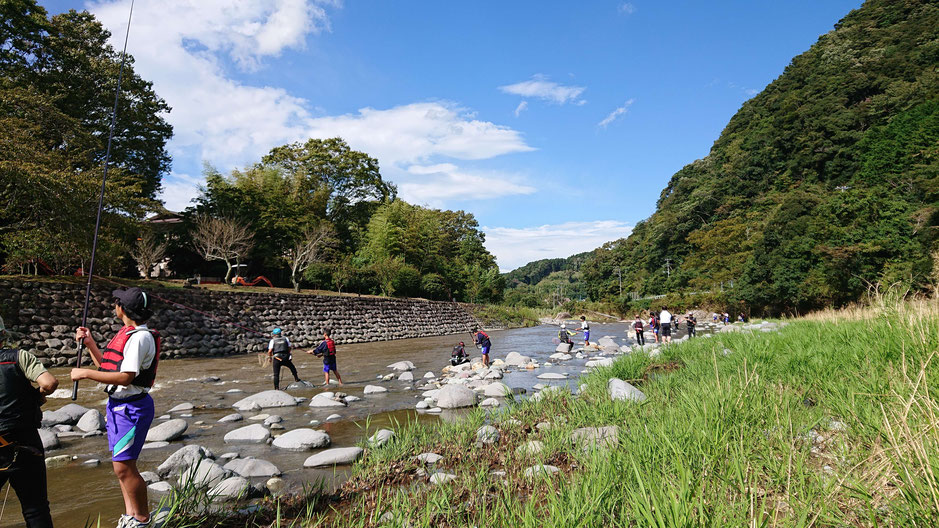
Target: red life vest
[(113, 356), (330, 346)]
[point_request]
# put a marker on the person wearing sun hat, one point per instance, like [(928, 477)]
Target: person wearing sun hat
[(127, 366), (22, 459)]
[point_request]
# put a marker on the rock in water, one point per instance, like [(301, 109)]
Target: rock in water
[(402, 366), (516, 359), (49, 439), (406, 376), (73, 411), (182, 407), (453, 396), (234, 417), (620, 390), (496, 389), (182, 458), (91, 421), (380, 438), (337, 456), (552, 376), (563, 348), (374, 389), (302, 384), (604, 362), (264, 400), (203, 473), (250, 434), (489, 402), (167, 431), (302, 440), (230, 489), (321, 401), (252, 467)]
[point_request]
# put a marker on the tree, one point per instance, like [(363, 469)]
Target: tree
[(224, 239), (148, 252), (308, 249)]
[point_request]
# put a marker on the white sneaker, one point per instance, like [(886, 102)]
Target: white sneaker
[(132, 522), (122, 522)]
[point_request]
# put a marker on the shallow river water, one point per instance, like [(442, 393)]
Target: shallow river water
[(79, 492)]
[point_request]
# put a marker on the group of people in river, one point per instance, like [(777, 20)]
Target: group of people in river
[(662, 325)]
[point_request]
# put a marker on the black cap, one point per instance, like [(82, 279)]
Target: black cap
[(133, 300)]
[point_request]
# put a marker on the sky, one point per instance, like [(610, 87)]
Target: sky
[(557, 124)]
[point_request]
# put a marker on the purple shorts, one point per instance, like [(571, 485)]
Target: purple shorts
[(329, 363), (127, 424)]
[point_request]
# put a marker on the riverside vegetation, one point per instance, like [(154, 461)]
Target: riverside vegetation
[(828, 422)]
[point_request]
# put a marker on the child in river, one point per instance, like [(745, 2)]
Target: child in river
[(327, 349), (458, 356)]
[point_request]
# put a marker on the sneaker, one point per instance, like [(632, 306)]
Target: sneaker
[(122, 522), (132, 522)]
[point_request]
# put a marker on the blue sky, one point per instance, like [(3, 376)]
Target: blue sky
[(556, 123)]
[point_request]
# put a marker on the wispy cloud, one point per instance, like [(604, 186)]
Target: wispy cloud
[(521, 108), (514, 247), (615, 114), (434, 184), (540, 87), (627, 8)]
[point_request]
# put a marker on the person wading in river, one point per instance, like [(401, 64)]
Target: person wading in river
[(22, 459), (585, 328), (279, 351), (327, 349), (564, 336), (637, 326), (128, 366), (482, 341)]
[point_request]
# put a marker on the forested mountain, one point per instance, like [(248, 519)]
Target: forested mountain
[(546, 282), (534, 271), (825, 182)]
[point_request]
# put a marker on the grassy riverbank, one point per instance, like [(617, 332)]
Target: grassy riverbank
[(829, 422)]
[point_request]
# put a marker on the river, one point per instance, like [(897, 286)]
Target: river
[(79, 492)]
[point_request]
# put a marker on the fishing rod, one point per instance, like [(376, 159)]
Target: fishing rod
[(104, 179)]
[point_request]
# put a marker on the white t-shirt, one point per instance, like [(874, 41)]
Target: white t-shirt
[(584, 325), (665, 317), (139, 353)]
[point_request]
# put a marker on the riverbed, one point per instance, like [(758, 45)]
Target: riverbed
[(79, 492)]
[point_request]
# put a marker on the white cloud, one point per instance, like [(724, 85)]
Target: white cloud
[(615, 114), (627, 8), (521, 108), (540, 87), (432, 184), (514, 247), (185, 48)]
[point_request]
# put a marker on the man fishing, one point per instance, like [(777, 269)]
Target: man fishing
[(127, 366), (278, 349), (22, 459), (585, 328)]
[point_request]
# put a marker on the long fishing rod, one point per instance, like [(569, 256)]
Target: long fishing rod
[(104, 179)]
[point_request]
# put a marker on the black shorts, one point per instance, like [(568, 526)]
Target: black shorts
[(666, 329)]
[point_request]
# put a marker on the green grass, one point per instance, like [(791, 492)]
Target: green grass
[(748, 437)]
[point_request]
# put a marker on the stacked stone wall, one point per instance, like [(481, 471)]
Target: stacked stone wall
[(43, 317)]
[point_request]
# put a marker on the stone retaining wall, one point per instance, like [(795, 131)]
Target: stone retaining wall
[(43, 317)]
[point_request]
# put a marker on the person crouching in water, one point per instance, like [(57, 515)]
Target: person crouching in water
[(482, 341), (327, 349), (279, 351), (564, 336), (21, 453), (458, 356), (128, 366)]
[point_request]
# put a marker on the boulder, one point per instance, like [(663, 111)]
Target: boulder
[(230, 489), (603, 362), (489, 402), (380, 438), (428, 458), (561, 356), (54, 418), (302, 440), (422, 405), (336, 456), (264, 400), (440, 477), (91, 421), (273, 419), (496, 389), (249, 434), (406, 376), (596, 437), (620, 390), (516, 359), (252, 467), (182, 407), (167, 431), (73, 411), (155, 445), (562, 348), (203, 473), (552, 376), (374, 389), (182, 458), (487, 435), (402, 366), (606, 342), (149, 477), (302, 384), (160, 488), (454, 396), (430, 375), (233, 417), (321, 401), (49, 439)]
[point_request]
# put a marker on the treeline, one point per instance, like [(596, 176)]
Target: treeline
[(312, 213), (546, 283), (824, 183)]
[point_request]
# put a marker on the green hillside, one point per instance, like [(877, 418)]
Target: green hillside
[(546, 282), (824, 183)]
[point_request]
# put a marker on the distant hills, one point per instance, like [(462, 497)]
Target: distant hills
[(824, 183)]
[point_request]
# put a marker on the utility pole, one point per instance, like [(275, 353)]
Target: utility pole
[(668, 267), (619, 274)]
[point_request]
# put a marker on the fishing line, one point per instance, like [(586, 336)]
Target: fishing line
[(104, 179)]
